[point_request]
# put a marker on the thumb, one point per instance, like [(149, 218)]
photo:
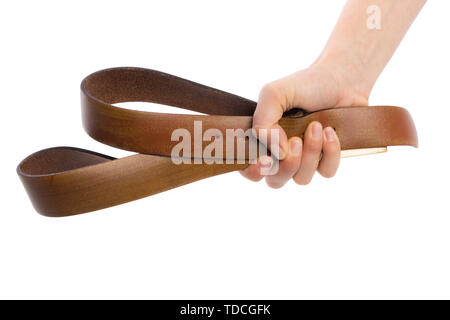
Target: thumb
[(272, 103)]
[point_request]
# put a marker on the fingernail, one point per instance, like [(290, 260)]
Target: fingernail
[(317, 131), (329, 134), (296, 146), (265, 161)]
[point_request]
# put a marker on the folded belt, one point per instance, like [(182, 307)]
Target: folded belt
[(65, 181)]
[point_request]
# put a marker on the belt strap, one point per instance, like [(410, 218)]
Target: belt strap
[(65, 181)]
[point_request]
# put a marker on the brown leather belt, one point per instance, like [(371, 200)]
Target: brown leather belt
[(65, 181)]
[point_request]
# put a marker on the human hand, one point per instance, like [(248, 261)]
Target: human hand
[(317, 87)]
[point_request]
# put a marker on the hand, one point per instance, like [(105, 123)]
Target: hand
[(315, 88)]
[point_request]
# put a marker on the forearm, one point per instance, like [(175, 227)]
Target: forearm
[(362, 48)]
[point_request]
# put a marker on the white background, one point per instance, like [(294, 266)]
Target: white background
[(379, 229)]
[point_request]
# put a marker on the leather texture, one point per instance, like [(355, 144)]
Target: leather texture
[(65, 181)]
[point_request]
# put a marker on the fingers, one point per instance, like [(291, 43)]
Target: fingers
[(312, 149), (319, 151), (331, 153), (255, 171), (269, 110), (289, 166)]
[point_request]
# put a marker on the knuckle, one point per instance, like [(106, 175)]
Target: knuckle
[(271, 90), (327, 173), (301, 180), (274, 184), (250, 174), (255, 178)]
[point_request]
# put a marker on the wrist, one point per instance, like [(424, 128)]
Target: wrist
[(350, 74)]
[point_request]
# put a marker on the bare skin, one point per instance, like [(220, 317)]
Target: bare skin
[(343, 75)]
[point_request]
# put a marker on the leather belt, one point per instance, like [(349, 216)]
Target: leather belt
[(65, 181)]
